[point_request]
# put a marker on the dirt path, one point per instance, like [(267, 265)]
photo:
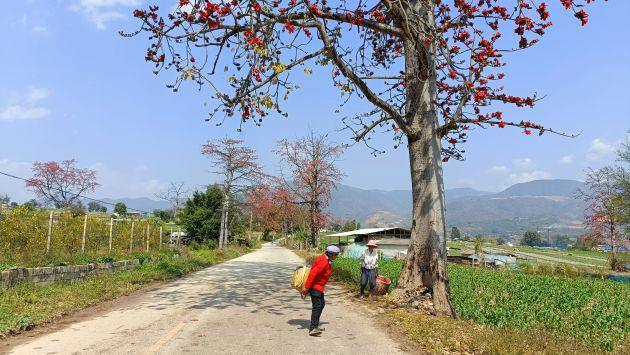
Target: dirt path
[(243, 306)]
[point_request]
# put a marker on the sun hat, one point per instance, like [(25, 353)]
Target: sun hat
[(372, 243), (333, 249)]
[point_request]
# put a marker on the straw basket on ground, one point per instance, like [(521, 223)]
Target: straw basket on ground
[(382, 285)]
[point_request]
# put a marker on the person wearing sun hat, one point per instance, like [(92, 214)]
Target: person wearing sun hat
[(369, 267)]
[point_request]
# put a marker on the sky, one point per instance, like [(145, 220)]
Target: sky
[(72, 88)]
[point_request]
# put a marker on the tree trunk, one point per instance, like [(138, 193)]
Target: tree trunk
[(426, 257), (313, 227), (223, 227)]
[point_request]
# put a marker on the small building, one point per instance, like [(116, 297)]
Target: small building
[(393, 242)]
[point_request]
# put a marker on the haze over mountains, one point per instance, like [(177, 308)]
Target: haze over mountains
[(536, 205)]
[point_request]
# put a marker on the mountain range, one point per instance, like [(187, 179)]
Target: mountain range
[(546, 205), (549, 206)]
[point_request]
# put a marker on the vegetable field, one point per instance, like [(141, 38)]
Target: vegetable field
[(595, 312)]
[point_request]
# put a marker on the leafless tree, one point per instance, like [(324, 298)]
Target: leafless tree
[(237, 164), (175, 193)]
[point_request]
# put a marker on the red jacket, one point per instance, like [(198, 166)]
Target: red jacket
[(319, 275)]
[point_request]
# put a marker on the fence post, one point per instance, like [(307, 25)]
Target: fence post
[(170, 239), (111, 232), (131, 239), (50, 222), (84, 233), (160, 238), (148, 235), (179, 235)]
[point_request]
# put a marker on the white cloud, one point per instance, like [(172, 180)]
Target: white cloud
[(524, 163), (39, 29), (599, 149), (100, 12), (35, 95), (19, 113), (567, 159), (526, 176), (499, 169), (24, 107)]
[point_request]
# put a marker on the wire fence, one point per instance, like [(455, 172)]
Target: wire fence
[(35, 236)]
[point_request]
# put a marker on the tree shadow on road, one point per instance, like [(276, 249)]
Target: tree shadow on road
[(260, 286)]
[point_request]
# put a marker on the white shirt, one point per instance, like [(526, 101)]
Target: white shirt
[(369, 260)]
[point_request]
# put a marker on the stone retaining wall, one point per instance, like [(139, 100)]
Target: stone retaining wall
[(45, 275)]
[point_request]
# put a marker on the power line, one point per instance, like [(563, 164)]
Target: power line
[(73, 193)]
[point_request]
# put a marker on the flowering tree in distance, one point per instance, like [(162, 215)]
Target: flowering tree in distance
[(314, 174), (430, 70), (237, 164), (61, 183)]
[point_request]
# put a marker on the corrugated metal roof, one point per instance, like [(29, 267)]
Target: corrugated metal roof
[(362, 231)]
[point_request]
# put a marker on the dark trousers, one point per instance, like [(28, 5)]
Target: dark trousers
[(368, 276), (317, 298)]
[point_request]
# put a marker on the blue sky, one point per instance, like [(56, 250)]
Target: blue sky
[(73, 88)]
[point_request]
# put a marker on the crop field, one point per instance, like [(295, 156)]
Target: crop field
[(595, 312), (589, 258), (24, 237)]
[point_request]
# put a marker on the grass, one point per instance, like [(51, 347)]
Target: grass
[(25, 306), (588, 312)]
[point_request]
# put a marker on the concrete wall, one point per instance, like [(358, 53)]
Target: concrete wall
[(45, 275)]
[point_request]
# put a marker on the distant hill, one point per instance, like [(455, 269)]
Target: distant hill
[(536, 205), (555, 187)]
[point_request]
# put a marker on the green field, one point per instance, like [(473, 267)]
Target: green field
[(593, 312), (584, 258)]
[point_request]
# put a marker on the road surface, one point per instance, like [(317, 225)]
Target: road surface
[(243, 306)]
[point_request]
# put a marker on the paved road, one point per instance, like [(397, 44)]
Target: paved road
[(244, 306)]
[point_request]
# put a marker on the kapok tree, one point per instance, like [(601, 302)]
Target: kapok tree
[(61, 183), (312, 161), (430, 69), (236, 163), (604, 212), (274, 206)]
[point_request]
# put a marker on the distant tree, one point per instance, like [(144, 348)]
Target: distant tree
[(531, 238), (32, 204), (237, 164), (585, 242), (201, 215), (164, 215), (455, 233), (500, 241), (14, 204), (604, 208), (76, 209), (351, 225), (175, 194), (96, 207), (314, 174), (61, 183), (622, 171), (5, 199), (120, 209)]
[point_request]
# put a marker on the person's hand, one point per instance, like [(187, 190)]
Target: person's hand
[(305, 292)]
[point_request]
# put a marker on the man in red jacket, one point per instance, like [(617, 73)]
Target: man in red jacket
[(315, 283)]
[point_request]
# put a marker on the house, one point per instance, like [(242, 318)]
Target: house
[(393, 242)]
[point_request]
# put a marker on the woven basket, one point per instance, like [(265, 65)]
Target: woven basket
[(382, 285)]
